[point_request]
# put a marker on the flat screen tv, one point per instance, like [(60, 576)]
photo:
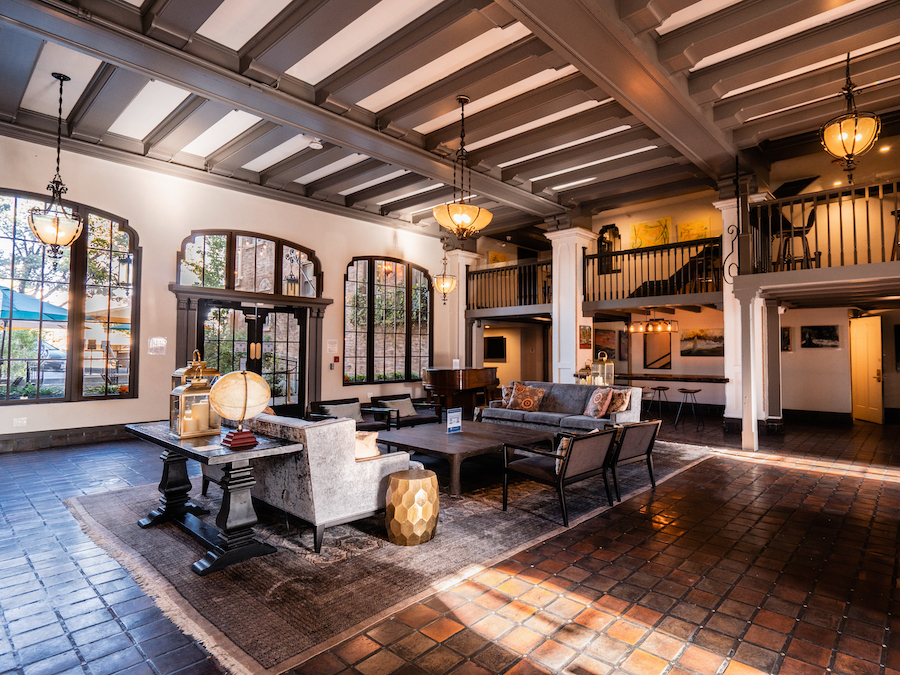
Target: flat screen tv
[(494, 348)]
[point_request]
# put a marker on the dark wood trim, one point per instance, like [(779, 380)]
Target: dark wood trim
[(40, 440)]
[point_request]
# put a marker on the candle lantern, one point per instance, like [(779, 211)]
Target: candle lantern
[(584, 374), (602, 371), (189, 411)]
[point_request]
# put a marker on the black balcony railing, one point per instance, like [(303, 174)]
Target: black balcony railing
[(672, 269), (511, 286), (852, 225)]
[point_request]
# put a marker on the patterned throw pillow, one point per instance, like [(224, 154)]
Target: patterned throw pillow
[(562, 449), (598, 402), (619, 400), (507, 394), (526, 398)]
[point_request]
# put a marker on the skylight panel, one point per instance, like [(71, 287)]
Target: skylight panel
[(280, 152), (383, 20), (595, 162), (226, 129), (148, 109), (413, 193), (334, 167), (543, 121), (499, 96), (42, 93), (565, 146), (373, 182), (466, 54), (236, 21), (693, 13)]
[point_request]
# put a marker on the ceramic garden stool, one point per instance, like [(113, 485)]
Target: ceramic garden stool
[(412, 506)]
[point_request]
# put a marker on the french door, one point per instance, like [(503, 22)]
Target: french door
[(269, 341)]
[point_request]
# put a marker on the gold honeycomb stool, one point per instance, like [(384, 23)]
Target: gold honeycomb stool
[(412, 507)]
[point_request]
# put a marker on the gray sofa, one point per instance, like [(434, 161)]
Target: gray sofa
[(562, 409)]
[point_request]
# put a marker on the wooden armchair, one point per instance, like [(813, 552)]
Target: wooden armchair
[(585, 457)]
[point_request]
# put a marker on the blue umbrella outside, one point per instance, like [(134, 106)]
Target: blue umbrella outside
[(26, 308)]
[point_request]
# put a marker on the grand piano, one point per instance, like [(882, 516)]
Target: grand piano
[(460, 387)]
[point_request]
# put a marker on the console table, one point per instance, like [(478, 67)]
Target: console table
[(231, 539)]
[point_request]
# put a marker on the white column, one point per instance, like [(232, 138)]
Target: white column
[(459, 260), (568, 299), (731, 311), (751, 366)]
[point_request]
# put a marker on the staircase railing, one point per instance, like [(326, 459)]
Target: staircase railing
[(672, 269), (510, 286)]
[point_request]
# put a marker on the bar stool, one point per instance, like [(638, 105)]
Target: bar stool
[(689, 396), (659, 393)]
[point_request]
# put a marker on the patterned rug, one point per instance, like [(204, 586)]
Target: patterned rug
[(271, 613)]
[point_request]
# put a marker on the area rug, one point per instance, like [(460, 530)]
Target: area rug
[(269, 614)]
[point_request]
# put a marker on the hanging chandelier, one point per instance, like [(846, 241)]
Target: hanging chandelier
[(444, 283), (459, 217), (55, 225), (852, 134), (652, 326)]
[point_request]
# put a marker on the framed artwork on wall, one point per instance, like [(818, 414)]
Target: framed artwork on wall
[(786, 345), (819, 337), (703, 342), (651, 233), (584, 337), (497, 257), (605, 341), (624, 343)]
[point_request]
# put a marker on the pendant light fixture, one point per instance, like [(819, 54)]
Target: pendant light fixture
[(460, 217), (55, 225), (852, 134), (444, 283)]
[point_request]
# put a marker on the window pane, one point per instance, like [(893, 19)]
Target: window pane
[(299, 274), (214, 261), (254, 264)]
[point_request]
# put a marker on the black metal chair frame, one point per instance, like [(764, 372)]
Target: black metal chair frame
[(380, 417), (561, 479), (434, 409), (689, 396), (614, 460)]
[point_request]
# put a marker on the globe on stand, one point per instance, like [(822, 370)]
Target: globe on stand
[(238, 396)]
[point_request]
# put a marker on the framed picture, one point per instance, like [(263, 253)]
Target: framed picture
[(703, 342), (819, 337), (624, 343), (605, 341), (497, 257), (651, 233), (693, 229), (584, 337), (786, 345)]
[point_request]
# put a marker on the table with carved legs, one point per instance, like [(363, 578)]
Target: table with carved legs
[(230, 540)]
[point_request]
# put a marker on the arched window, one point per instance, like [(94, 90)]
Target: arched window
[(68, 327), (387, 321), (257, 264)]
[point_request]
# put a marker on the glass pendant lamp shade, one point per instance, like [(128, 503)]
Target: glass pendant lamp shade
[(852, 134), (444, 283), (459, 216), (55, 225)]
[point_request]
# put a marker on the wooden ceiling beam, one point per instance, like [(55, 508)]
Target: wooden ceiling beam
[(644, 15), (834, 39), (175, 21), (661, 156), (188, 127), (365, 171), (103, 101), (19, 51), (255, 142), (386, 191), (304, 162)]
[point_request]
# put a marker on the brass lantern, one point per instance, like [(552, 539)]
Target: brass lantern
[(584, 374), (602, 371), (189, 410), (195, 369)]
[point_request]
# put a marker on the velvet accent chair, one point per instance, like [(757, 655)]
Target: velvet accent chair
[(426, 413), (635, 445), (324, 484), (371, 418), (587, 456)]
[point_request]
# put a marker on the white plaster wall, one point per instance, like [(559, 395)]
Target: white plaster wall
[(816, 379), (163, 210)]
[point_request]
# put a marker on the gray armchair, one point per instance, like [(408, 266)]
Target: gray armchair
[(324, 485)]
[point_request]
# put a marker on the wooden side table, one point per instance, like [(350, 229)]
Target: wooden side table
[(412, 506)]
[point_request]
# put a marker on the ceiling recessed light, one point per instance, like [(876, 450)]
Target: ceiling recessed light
[(884, 148), (836, 183)]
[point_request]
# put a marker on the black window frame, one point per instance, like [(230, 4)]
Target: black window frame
[(73, 391), (370, 316)]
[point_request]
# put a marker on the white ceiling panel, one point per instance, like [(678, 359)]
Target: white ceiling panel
[(236, 21), (499, 96), (693, 13), (334, 167), (454, 60), (155, 102), (384, 19), (226, 129), (372, 183), (543, 121), (564, 146), (411, 194), (42, 93), (545, 176), (278, 153)]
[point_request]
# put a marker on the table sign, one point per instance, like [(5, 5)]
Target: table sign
[(454, 420)]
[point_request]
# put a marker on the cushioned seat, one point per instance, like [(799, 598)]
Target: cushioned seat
[(424, 413), (582, 422), (365, 416), (552, 418), (502, 414)]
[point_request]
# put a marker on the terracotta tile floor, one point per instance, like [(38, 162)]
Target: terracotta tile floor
[(782, 561)]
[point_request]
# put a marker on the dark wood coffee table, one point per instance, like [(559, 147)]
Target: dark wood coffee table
[(476, 438)]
